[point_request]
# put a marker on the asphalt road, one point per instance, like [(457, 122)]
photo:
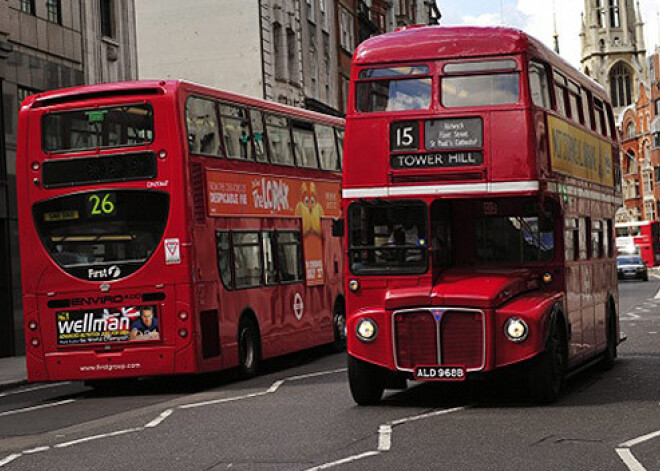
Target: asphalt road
[(298, 415)]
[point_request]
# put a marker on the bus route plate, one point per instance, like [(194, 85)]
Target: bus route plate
[(439, 373)]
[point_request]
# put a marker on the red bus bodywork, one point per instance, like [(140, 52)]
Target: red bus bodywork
[(68, 310), (455, 313), (642, 237)]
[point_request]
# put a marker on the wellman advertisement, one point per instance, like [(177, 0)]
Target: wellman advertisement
[(579, 154), (240, 194), (102, 325)]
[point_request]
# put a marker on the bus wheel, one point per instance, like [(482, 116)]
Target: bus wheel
[(249, 353), (547, 372), (610, 352), (339, 323), (367, 381)]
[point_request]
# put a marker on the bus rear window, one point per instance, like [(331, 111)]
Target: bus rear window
[(480, 90), (394, 95), (117, 126)]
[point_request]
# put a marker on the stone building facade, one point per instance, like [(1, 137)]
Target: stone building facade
[(613, 50), (47, 44), (296, 52)]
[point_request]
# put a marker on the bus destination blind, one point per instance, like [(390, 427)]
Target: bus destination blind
[(102, 169)]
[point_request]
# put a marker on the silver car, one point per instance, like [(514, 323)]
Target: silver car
[(631, 266)]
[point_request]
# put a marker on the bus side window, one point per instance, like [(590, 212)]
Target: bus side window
[(576, 103), (303, 145), (599, 115), (597, 239), (235, 131), (584, 224), (279, 140), (268, 249), (325, 140), (587, 108), (202, 123), (607, 239), (560, 94), (247, 259), (224, 258), (340, 147), (538, 84), (289, 256), (258, 135), (571, 238)]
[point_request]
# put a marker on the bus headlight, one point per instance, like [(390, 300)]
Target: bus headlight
[(516, 329), (366, 330)]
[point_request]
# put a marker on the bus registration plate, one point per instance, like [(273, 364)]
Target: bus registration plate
[(439, 373)]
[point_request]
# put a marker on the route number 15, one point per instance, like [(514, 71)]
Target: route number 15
[(404, 136)]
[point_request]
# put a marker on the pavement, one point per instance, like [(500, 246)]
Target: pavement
[(12, 372)]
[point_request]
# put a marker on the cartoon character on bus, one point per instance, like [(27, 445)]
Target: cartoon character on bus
[(310, 210)]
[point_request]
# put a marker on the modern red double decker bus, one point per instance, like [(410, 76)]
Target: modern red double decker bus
[(639, 237), (479, 191), (169, 228)]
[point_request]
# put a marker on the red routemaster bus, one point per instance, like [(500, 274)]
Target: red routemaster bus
[(479, 192), (639, 237), (169, 228)]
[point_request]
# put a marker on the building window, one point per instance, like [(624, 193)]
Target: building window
[(107, 23), (27, 6), (23, 92), (292, 55), (346, 30), (602, 14), (620, 86), (614, 14), (278, 52), (54, 11), (630, 130)]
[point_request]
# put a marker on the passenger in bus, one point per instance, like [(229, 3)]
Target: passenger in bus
[(406, 234), (146, 326)]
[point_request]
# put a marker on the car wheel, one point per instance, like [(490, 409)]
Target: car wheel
[(367, 381)]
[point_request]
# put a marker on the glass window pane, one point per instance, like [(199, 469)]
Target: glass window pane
[(394, 72), (203, 131), (279, 145), (305, 150), (514, 239), (479, 66), (224, 259), (270, 270), (480, 90), (538, 84), (394, 95), (289, 256), (325, 139), (258, 140), (340, 146), (243, 238)]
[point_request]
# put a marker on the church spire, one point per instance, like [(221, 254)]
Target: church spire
[(554, 24)]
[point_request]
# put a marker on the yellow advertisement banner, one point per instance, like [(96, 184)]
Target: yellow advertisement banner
[(579, 154)]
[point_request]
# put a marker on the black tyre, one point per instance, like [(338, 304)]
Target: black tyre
[(249, 348), (610, 354), (547, 372), (339, 326), (646, 277), (367, 381)]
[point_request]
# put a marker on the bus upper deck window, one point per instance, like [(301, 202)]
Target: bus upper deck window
[(480, 90), (393, 89)]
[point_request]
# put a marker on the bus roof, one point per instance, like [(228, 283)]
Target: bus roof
[(418, 42), (159, 87)]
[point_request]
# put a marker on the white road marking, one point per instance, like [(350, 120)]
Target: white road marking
[(165, 414), (97, 437), (384, 437), (629, 460), (42, 406), (35, 388), (39, 449), (632, 315), (652, 332), (350, 459), (657, 295), (9, 459), (638, 440), (158, 420)]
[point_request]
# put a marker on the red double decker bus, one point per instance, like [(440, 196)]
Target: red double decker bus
[(479, 195), (641, 238), (170, 228)]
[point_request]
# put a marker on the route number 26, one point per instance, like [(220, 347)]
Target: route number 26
[(404, 136), (102, 204)]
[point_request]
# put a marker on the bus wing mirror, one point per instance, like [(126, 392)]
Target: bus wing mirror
[(338, 227)]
